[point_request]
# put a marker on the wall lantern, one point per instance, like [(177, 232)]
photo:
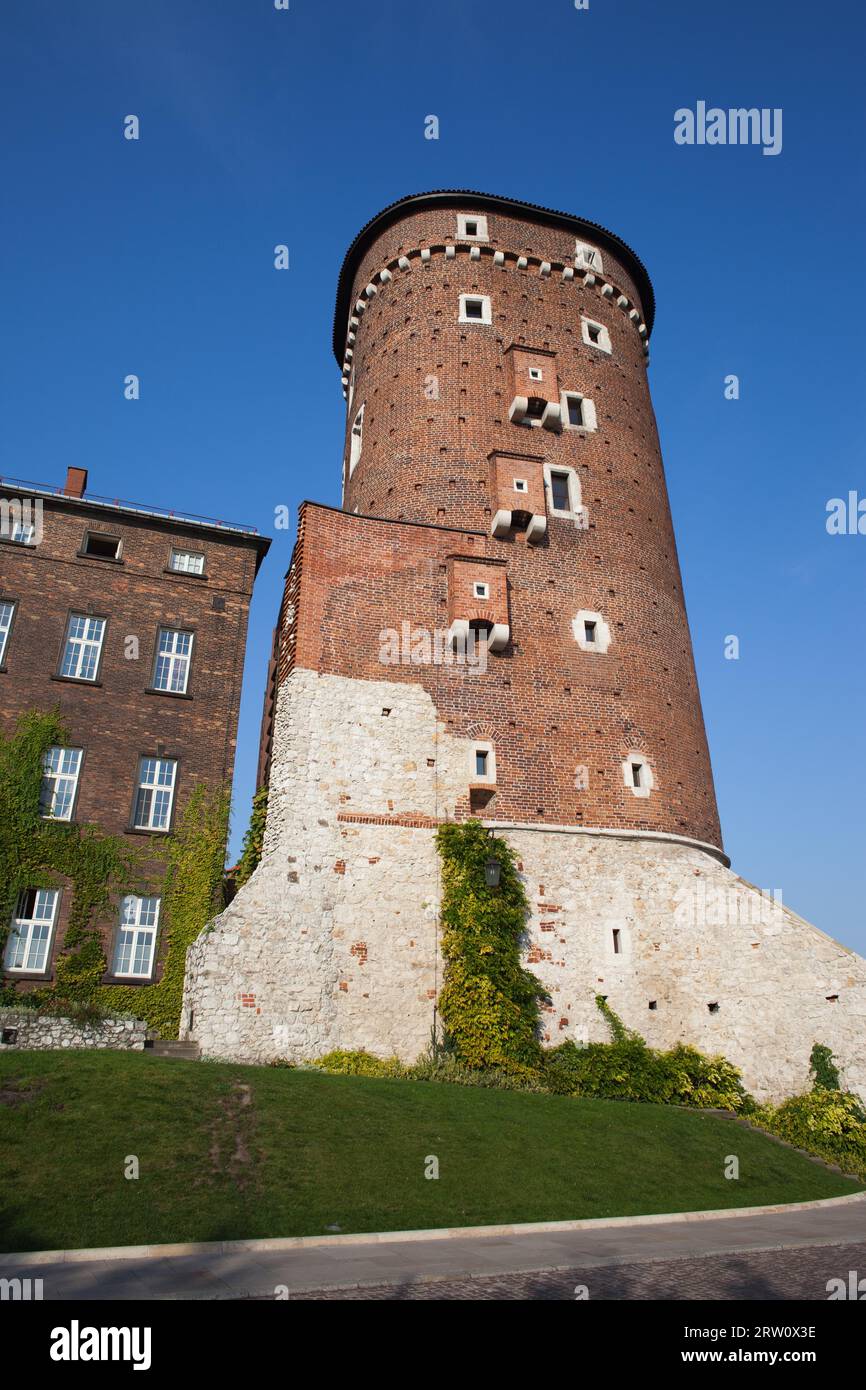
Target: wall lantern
[(492, 870)]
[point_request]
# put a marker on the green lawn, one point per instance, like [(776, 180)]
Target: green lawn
[(230, 1152)]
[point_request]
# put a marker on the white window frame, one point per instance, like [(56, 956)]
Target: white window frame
[(177, 555), (173, 662), (589, 257), (488, 778), (535, 374), (486, 309), (150, 792), (102, 536), (7, 618), (587, 409), (23, 532), (479, 584), (602, 638), (604, 343), (521, 485), (33, 935), (576, 512), (647, 780), (142, 936), (61, 769), (356, 440), (80, 646), (463, 218)]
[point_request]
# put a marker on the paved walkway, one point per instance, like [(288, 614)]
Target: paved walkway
[(395, 1265)]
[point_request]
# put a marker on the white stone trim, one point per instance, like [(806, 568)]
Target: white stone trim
[(588, 256), (576, 512), (647, 780), (590, 418), (488, 778), (479, 219), (619, 834), (486, 309), (537, 528), (604, 343), (603, 637), (356, 439)]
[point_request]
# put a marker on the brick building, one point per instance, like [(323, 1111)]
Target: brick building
[(493, 625), (131, 622)]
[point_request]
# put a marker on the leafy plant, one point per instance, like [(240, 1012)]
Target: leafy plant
[(822, 1066), (251, 852)]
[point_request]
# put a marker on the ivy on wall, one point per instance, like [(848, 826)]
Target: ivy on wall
[(254, 838), (489, 1003), (35, 853)]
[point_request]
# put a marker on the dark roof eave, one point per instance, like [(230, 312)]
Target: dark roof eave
[(467, 197)]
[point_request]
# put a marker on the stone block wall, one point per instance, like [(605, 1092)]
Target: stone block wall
[(45, 1032)]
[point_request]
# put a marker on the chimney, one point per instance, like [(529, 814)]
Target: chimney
[(76, 482)]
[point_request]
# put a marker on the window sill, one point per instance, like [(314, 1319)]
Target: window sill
[(128, 980), (170, 694), (26, 975), (19, 545), (144, 830), (76, 680), (185, 574), (100, 559)]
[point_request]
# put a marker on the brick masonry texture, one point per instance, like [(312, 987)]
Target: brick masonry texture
[(116, 719), (335, 937)]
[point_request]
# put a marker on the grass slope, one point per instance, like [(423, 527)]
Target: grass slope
[(228, 1152)]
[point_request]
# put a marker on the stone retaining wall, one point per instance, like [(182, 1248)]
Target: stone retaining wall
[(35, 1032)]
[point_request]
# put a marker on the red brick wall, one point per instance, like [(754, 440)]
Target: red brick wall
[(116, 720)]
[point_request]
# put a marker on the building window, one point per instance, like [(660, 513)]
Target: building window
[(535, 374), (589, 257), (480, 590), (560, 492), (60, 769), (135, 947), (32, 927), (173, 656), (154, 793), (83, 647), (617, 941), (475, 308), (483, 763), (521, 485), (100, 547), (23, 532), (471, 227), (356, 441), (591, 632), (595, 335), (187, 562), (7, 613), (637, 775), (578, 412)]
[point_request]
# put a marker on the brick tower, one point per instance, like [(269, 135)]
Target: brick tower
[(493, 625)]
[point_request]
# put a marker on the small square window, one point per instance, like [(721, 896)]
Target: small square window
[(101, 547), (535, 374), (475, 308), (480, 590), (471, 226), (520, 485), (588, 256), (595, 335)]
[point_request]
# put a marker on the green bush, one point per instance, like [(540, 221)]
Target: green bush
[(450, 1069), (825, 1073), (831, 1124), (345, 1063)]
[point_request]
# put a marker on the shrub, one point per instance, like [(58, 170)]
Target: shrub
[(825, 1073), (345, 1063), (450, 1069), (831, 1124)]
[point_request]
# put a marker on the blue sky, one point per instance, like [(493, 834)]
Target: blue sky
[(261, 127)]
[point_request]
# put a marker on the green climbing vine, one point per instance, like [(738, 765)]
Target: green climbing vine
[(489, 1004), (37, 853), (251, 852)]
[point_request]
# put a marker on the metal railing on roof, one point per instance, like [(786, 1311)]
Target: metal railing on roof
[(93, 499)]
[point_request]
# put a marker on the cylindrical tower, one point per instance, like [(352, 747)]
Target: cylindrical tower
[(494, 359)]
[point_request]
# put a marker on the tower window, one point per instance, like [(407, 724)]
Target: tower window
[(475, 308), (595, 335), (535, 374), (617, 941), (520, 485), (589, 631), (588, 256), (357, 441), (481, 759), (637, 775), (471, 227), (578, 412), (560, 492), (483, 764), (480, 590)]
